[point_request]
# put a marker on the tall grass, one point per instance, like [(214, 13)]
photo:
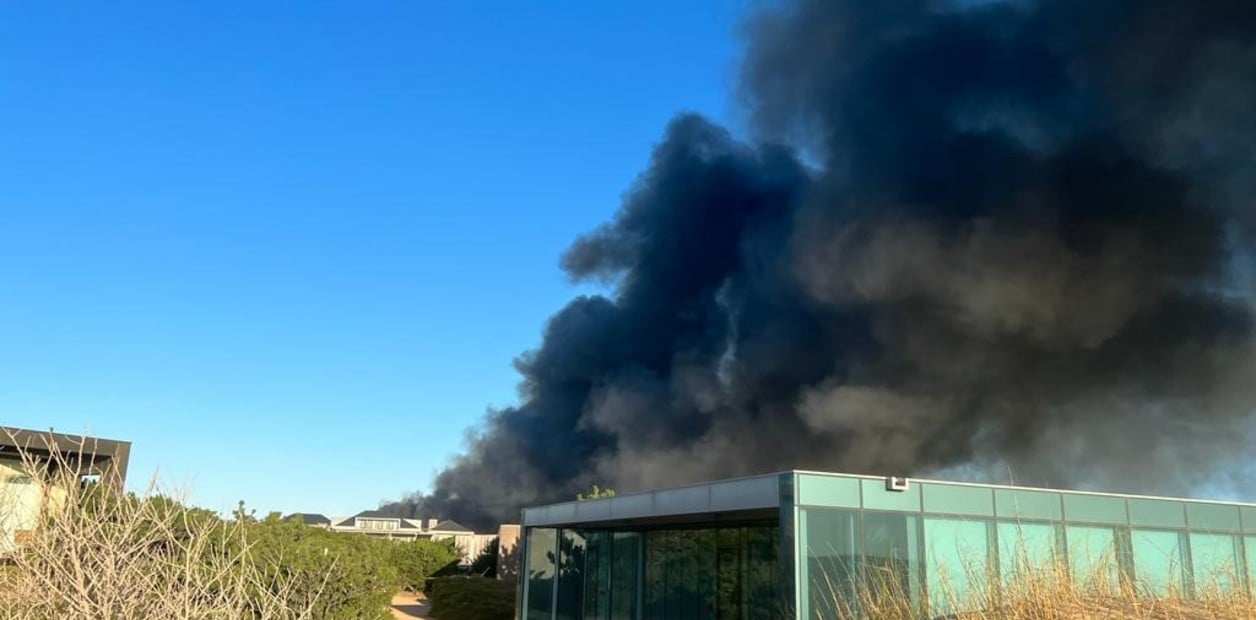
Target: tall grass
[(95, 553), (1034, 593)]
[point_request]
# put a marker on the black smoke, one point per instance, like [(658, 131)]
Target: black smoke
[(982, 239)]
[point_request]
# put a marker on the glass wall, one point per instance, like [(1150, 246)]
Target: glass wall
[(949, 547), (725, 573)]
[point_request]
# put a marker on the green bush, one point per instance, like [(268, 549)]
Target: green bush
[(343, 576), (472, 598), (416, 561)]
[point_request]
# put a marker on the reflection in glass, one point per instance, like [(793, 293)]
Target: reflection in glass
[(539, 568), (1026, 550), (958, 563), (1092, 558), (1215, 562), (1158, 563)]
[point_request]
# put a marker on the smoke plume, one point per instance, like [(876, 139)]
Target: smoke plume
[(965, 238)]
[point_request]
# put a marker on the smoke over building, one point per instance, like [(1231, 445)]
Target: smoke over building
[(982, 237)]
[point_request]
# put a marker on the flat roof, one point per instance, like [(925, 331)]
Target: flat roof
[(744, 496)]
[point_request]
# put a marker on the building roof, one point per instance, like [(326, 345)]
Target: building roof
[(449, 525), (308, 518), (378, 514)]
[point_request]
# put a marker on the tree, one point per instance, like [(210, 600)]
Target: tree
[(595, 493)]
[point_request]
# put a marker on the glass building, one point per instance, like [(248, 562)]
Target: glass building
[(801, 544)]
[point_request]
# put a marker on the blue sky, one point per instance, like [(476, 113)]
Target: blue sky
[(291, 249)]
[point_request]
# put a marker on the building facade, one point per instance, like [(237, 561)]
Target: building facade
[(800, 544), (22, 495)]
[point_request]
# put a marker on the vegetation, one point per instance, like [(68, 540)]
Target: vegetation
[(95, 553), (1048, 593), (472, 598), (485, 564), (595, 493)]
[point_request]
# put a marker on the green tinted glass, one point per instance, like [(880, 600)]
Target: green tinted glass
[(1018, 504), (957, 564), (1095, 509), (540, 571), (959, 500), (1213, 517), (828, 491), (1215, 563), (877, 497), (1092, 558), (1026, 549), (1156, 513), (1159, 567)]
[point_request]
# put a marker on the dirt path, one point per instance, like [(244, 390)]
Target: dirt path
[(406, 606)]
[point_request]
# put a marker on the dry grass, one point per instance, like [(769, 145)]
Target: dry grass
[(1048, 593), (94, 553)]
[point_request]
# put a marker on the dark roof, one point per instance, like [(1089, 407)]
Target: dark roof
[(452, 526), (379, 514), (308, 518)]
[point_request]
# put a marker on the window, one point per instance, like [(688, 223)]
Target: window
[(958, 563), (1215, 563), (377, 524), (1092, 556), (1159, 568), (539, 568), (1027, 551)]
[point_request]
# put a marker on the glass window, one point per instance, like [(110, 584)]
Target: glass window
[(571, 546), (626, 552), (763, 595), (1095, 508), (957, 563), (1026, 550), (891, 558), (597, 574), (1249, 543), (1157, 513), (1019, 504), (828, 491), (831, 548), (1213, 517), (1159, 567), (1215, 564), (958, 499), (1092, 558), (877, 497), (539, 568), (1248, 515)]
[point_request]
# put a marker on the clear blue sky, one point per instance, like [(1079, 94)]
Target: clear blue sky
[(291, 249)]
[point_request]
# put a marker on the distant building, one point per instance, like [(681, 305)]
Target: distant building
[(382, 525), (92, 459)]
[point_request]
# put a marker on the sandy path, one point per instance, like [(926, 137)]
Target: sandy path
[(405, 606)]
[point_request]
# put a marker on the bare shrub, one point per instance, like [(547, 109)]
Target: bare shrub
[(96, 553)]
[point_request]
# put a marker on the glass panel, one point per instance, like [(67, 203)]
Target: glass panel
[(1019, 504), (1248, 516), (626, 550), (1156, 513), (763, 570), (539, 567), (956, 499), (655, 573), (597, 575), (828, 491), (1213, 517), (729, 567), (1095, 508), (958, 564), (876, 497), (1092, 556), (831, 553), (571, 546), (1159, 567), (1215, 563), (1249, 542), (891, 558), (1026, 551)]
